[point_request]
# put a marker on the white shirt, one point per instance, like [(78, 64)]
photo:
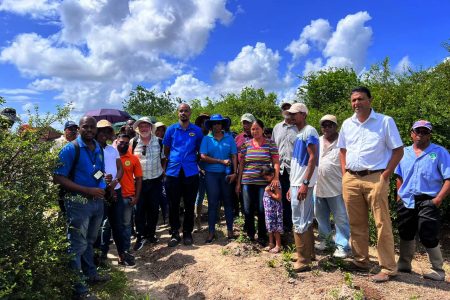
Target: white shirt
[(111, 156), (369, 144), (284, 136), (329, 173)]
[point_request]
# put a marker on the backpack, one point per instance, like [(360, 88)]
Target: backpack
[(135, 142), (62, 192)]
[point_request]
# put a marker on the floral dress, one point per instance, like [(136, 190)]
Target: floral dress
[(273, 211)]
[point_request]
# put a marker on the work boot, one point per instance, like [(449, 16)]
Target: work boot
[(198, 218), (407, 249), (437, 262), (311, 242), (303, 248)]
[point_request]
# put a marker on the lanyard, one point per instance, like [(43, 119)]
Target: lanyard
[(92, 159)]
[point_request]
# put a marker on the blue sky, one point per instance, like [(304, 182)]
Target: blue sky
[(93, 52)]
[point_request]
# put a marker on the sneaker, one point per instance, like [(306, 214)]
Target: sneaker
[(139, 244), (321, 246), (99, 279), (340, 253), (127, 260), (174, 240), (187, 239)]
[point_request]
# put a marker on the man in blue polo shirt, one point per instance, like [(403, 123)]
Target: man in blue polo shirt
[(423, 183), (181, 145), (85, 186)]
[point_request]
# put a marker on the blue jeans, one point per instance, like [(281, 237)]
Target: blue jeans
[(218, 189), (147, 208), (302, 210), (322, 209), (84, 220), (125, 225), (201, 189), (253, 200)]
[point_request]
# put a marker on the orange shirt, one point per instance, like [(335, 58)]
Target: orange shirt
[(131, 169)]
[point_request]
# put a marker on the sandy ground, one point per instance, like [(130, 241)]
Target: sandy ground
[(233, 270)]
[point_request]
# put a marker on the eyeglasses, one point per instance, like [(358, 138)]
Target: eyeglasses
[(421, 131), (144, 150)]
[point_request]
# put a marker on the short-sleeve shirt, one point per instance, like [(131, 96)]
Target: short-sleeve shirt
[(423, 174), (214, 148), (255, 157), (111, 156), (88, 164), (329, 172), (184, 145), (131, 170), (369, 144), (300, 157), (284, 136), (151, 161)]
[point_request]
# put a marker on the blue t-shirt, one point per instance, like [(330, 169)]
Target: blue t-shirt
[(184, 145), (300, 157), (423, 175), (222, 149), (88, 164)]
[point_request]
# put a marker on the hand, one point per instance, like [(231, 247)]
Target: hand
[(230, 178), (226, 162), (384, 176), (274, 183), (133, 201), (114, 183), (302, 192), (436, 201), (95, 192), (288, 195), (108, 178)]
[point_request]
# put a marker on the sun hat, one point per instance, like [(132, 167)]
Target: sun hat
[(104, 124), (330, 118), (159, 124), (422, 123), (142, 120), (248, 117), (217, 118), (298, 107)]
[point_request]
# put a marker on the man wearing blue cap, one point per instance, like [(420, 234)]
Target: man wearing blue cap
[(422, 184), (70, 134)]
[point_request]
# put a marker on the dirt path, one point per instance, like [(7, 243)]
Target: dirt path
[(236, 270)]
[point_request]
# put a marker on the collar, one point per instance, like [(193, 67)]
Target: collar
[(178, 126), (373, 115)]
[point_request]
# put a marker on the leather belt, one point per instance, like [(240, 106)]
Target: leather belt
[(422, 197), (364, 172)]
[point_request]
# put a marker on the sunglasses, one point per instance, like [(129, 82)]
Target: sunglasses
[(422, 131), (144, 150)]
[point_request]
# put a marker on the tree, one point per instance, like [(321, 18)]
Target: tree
[(148, 103)]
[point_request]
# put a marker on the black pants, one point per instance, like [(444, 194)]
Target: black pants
[(287, 210), (147, 208), (424, 218), (177, 187)]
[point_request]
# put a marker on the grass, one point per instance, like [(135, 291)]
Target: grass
[(116, 288), (242, 238), (225, 251), (272, 263), (287, 261)]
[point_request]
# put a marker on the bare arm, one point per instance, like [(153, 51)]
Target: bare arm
[(342, 158), (212, 160), (398, 184), (397, 155), (443, 193), (303, 190), (138, 187)]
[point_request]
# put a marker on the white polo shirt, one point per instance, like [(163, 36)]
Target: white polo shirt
[(369, 144), (329, 172)]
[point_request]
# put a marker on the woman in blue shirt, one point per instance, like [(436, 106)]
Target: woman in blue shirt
[(218, 151)]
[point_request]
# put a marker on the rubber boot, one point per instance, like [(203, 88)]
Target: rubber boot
[(407, 249), (311, 242), (303, 248), (198, 218), (437, 262)]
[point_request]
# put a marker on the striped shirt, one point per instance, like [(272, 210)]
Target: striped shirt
[(255, 157), (151, 162)]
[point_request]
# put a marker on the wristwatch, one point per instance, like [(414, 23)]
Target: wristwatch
[(306, 182)]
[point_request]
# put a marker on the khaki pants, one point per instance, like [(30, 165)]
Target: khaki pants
[(360, 194)]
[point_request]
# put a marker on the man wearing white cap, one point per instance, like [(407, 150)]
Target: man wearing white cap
[(423, 183), (371, 148), (329, 190), (303, 178)]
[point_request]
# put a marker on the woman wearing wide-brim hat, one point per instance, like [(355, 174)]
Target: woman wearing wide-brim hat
[(218, 150)]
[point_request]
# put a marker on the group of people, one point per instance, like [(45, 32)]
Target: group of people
[(286, 180)]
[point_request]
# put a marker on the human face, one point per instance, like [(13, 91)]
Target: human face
[(246, 125), (71, 133), (421, 137), (88, 128), (122, 145), (361, 103), (160, 131), (256, 131), (298, 118), (288, 118), (145, 129), (103, 134), (328, 129), (184, 113), (217, 127)]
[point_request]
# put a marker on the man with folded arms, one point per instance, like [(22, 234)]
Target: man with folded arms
[(422, 183), (370, 149)]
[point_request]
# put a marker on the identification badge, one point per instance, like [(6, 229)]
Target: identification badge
[(99, 174)]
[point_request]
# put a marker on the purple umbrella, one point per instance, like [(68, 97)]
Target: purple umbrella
[(110, 114)]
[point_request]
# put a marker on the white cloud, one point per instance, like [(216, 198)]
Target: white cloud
[(312, 66), (348, 45), (317, 33), (18, 91), (253, 66), (403, 65), (187, 87), (34, 8), (27, 107)]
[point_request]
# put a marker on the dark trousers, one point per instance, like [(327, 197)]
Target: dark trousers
[(287, 210), (253, 201), (147, 208), (177, 187), (424, 218)]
